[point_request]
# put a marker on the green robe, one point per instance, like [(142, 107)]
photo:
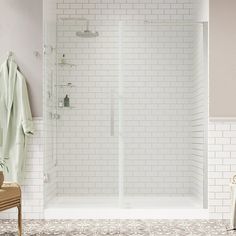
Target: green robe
[(15, 120)]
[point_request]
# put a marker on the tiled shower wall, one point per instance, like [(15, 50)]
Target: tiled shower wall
[(128, 9), (87, 149)]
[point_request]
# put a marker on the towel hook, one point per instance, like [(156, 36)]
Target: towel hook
[(10, 54)]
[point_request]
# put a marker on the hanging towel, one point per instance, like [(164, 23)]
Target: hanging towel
[(15, 120)]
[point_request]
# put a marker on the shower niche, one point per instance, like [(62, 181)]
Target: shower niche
[(136, 137)]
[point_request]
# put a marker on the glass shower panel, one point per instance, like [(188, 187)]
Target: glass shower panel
[(161, 79), (135, 129), (200, 115), (87, 138)]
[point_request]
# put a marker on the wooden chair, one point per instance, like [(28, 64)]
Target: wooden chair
[(10, 196)]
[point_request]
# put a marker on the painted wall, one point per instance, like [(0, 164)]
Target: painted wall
[(21, 32), (222, 56)]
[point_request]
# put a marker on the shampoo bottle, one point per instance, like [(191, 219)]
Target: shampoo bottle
[(66, 101)]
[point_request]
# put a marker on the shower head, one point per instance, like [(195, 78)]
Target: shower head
[(87, 34)]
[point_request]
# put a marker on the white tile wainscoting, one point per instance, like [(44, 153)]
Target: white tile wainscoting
[(221, 167)]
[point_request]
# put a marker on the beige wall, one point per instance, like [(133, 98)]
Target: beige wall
[(222, 58), (21, 32)]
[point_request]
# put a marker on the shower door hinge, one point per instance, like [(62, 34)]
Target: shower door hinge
[(47, 49), (46, 178)]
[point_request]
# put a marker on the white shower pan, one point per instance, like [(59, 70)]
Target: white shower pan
[(132, 208)]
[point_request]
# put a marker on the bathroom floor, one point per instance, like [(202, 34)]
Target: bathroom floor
[(118, 227)]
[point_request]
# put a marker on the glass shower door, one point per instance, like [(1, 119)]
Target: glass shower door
[(163, 114), (87, 137), (134, 134)]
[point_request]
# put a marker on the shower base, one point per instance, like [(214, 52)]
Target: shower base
[(78, 207)]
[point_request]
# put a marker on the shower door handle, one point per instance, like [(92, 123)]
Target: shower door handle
[(112, 115)]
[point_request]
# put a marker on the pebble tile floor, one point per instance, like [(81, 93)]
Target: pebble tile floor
[(118, 227)]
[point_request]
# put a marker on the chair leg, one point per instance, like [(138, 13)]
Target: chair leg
[(19, 220)]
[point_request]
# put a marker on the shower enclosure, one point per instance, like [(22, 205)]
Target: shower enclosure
[(135, 132)]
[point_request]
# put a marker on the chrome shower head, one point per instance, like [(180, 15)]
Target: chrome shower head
[(87, 34)]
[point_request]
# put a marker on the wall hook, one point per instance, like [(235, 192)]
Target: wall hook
[(36, 53), (10, 54)]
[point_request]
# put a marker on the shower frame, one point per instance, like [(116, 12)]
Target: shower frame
[(120, 113)]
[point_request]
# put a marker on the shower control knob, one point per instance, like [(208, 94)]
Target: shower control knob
[(55, 116)]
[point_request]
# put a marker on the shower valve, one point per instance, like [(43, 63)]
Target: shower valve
[(55, 116)]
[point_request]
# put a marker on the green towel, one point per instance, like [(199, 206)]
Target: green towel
[(15, 120)]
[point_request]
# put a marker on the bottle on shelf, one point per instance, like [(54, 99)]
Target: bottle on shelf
[(66, 101)]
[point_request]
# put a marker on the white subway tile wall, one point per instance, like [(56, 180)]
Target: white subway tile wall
[(221, 166)]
